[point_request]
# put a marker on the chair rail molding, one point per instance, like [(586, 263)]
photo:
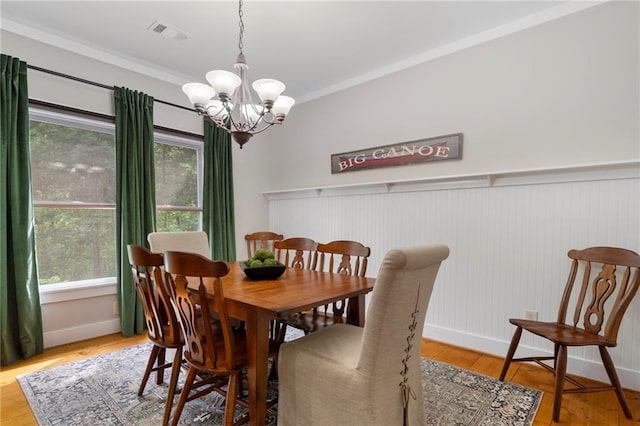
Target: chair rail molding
[(576, 173)]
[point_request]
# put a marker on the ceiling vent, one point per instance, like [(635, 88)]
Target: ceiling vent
[(168, 31)]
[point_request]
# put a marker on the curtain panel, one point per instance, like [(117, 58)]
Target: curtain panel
[(20, 314), (218, 205), (135, 195)]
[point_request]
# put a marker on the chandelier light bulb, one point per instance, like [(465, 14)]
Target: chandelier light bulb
[(223, 82), (199, 94), (268, 89), (252, 113), (282, 105)]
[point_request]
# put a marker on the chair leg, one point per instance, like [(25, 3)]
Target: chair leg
[(561, 369), (232, 391), (173, 384), (184, 393), (282, 332), (512, 350), (152, 359), (161, 361), (613, 378)]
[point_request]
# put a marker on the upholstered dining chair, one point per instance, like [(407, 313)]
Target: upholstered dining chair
[(610, 280), (339, 257), (163, 328), (186, 241), (261, 240), (216, 349), (367, 376)]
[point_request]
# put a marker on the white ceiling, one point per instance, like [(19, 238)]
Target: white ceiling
[(314, 47)]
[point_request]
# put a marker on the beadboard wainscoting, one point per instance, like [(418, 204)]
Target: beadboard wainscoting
[(508, 241)]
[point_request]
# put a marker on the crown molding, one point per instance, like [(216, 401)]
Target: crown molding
[(150, 70)]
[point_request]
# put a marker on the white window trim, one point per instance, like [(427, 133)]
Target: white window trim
[(63, 292)]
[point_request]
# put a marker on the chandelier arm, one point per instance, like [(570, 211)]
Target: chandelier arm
[(244, 127), (255, 132)]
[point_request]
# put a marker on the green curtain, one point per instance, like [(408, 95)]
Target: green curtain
[(135, 195), (217, 210), (20, 315)]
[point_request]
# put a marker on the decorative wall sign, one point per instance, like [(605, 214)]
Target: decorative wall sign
[(445, 147)]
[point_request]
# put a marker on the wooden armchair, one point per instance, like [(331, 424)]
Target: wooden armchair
[(610, 278), (163, 327), (339, 257), (261, 240)]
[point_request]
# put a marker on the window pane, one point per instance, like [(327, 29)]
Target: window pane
[(171, 221), (70, 164), (176, 175), (75, 244)]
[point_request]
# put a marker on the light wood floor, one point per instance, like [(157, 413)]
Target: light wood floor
[(599, 408)]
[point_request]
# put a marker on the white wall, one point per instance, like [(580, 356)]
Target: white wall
[(558, 94), (556, 97)]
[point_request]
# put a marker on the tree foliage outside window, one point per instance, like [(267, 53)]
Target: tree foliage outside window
[(178, 206), (73, 173)]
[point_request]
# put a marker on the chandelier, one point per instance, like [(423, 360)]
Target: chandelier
[(228, 102)]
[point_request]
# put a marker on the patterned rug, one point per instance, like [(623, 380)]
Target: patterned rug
[(103, 391)]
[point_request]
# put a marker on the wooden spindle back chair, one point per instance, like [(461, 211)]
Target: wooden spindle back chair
[(610, 280), (213, 347), (163, 328), (338, 257), (298, 252), (261, 240)]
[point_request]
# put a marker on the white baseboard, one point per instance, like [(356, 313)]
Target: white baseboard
[(630, 379), (83, 332)]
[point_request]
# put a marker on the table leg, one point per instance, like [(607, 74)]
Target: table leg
[(257, 366), (355, 311)]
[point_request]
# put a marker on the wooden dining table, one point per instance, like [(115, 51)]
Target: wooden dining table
[(259, 302)]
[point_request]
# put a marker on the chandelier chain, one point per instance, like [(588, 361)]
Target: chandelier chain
[(241, 25)]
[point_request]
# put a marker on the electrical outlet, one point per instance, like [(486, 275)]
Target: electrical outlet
[(115, 308), (531, 315)]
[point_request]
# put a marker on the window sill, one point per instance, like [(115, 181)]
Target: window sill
[(56, 293)]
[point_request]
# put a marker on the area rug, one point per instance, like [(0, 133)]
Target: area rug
[(102, 390)]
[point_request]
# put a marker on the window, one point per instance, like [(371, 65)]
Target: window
[(74, 181), (178, 167)]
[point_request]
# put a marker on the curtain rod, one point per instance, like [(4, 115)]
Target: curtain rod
[(108, 117), (93, 83)]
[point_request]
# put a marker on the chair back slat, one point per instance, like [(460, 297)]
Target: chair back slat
[(343, 257), (196, 279), (261, 240), (146, 267), (606, 289), (352, 257), (297, 252)]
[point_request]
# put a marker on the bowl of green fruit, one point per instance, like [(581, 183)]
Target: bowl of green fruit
[(262, 266)]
